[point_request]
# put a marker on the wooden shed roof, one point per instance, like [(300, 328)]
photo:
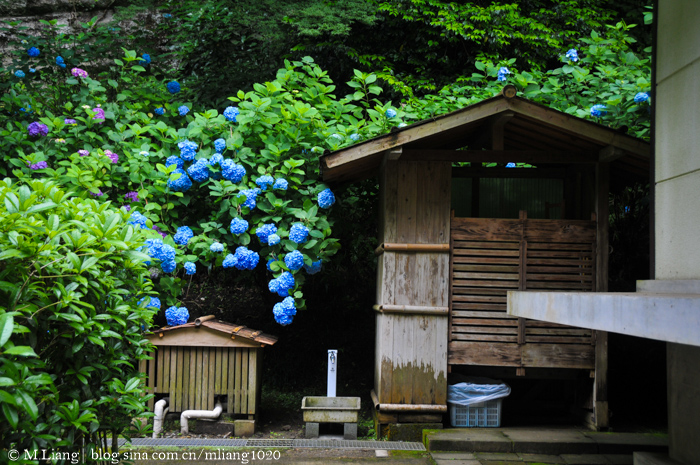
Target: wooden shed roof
[(207, 331), (500, 129)]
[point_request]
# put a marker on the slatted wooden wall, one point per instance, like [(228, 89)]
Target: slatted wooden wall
[(491, 257), (193, 376)]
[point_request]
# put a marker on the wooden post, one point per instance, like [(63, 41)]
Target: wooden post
[(600, 390)]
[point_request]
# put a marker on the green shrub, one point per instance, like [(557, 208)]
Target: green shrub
[(71, 327)]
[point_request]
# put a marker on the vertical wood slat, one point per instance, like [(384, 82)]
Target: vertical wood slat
[(252, 380), (224, 370), (244, 380), (159, 369), (186, 379), (179, 380), (198, 377), (230, 387), (152, 380), (166, 369), (192, 403), (204, 380), (237, 382)]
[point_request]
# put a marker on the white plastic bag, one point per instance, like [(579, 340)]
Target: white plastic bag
[(476, 390)]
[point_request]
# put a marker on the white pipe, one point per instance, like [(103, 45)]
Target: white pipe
[(160, 411), (332, 373), (209, 414)]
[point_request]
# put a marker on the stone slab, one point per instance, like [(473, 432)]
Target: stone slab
[(468, 440), (550, 441), (350, 431), (653, 458), (243, 428), (585, 459), (627, 443), (453, 456), (311, 430), (411, 432), (498, 456), (541, 458), (620, 459), (218, 428)]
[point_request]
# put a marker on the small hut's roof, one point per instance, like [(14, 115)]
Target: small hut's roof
[(499, 129), (207, 331)]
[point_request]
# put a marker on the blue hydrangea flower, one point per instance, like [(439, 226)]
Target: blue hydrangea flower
[(183, 235), (264, 181), (188, 150), (60, 62), (298, 233), (217, 247), (160, 111), (216, 159), (503, 73), (264, 231), (190, 268), (137, 219), (510, 165), (390, 113), (175, 160), (219, 145), (294, 260), (355, 137), (182, 183), (598, 110), (284, 311), (145, 59), (572, 55), (173, 87), (199, 171), (238, 226), (19, 74), (231, 112), (245, 259), (402, 125), (326, 198), (168, 266), (232, 171), (183, 110), (286, 280), (33, 52), (176, 316), (274, 284), (250, 198), (273, 239), (281, 183), (153, 302), (230, 261), (314, 268), (268, 263), (32, 70), (641, 97)]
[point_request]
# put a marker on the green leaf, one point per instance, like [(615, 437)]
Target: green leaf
[(23, 351), (11, 415), (6, 325)]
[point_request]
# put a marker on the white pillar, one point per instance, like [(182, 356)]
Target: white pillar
[(332, 372)]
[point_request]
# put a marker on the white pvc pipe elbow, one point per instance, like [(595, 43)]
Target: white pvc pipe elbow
[(160, 410), (205, 414)]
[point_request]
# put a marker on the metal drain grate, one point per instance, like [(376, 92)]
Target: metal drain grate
[(296, 443)]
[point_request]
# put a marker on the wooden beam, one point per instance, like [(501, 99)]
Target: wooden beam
[(498, 131), (498, 156), (501, 172), (393, 154), (412, 309), (415, 248), (610, 153)]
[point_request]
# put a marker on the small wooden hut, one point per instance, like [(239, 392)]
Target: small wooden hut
[(197, 362), (455, 236)]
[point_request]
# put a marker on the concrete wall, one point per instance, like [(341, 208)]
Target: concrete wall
[(677, 152)]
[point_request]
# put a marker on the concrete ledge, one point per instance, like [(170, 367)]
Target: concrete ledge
[(652, 458), (665, 317)]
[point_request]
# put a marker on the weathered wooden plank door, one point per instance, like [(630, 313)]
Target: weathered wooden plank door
[(491, 257)]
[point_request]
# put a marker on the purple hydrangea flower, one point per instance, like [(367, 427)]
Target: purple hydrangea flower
[(39, 166), (37, 129), (77, 72), (99, 193), (112, 156), (132, 196), (69, 121), (99, 114), (157, 229), (83, 153)]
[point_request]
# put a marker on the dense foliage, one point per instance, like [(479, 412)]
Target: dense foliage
[(74, 300)]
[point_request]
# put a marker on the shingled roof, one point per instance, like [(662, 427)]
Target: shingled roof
[(214, 333)]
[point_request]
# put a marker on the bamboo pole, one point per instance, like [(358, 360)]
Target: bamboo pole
[(412, 248)]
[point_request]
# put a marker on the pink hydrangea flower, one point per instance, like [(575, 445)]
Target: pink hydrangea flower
[(77, 72)]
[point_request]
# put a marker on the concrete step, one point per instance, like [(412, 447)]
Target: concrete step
[(542, 440)]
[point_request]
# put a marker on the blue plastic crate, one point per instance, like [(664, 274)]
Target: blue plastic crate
[(480, 415)]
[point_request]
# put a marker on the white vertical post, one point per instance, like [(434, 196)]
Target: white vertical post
[(332, 372)]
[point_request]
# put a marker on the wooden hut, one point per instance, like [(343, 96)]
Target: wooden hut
[(197, 362), (456, 235)]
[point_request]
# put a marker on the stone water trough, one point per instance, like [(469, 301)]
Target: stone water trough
[(331, 410)]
